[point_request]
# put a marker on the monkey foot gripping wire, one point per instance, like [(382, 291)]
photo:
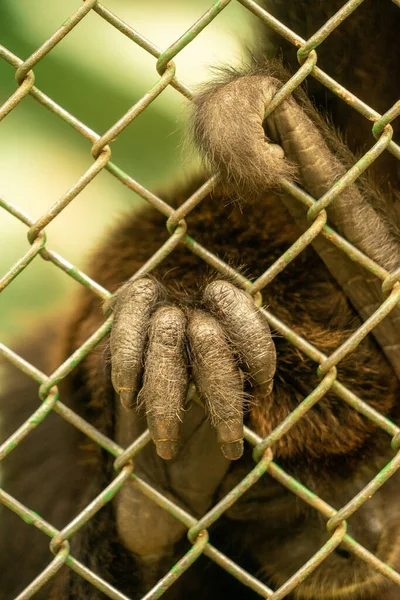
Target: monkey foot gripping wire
[(198, 529)]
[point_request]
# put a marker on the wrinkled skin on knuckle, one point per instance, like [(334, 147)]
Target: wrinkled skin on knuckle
[(205, 332), (167, 328), (142, 293), (222, 293)]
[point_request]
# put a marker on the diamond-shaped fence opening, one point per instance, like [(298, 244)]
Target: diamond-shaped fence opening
[(102, 159)]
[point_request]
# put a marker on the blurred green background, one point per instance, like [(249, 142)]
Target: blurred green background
[(97, 74)]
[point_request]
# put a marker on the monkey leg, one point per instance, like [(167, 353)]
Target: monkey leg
[(150, 363)]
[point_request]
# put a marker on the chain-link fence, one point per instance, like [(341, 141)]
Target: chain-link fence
[(263, 456)]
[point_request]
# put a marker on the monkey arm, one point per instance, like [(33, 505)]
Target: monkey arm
[(229, 124)]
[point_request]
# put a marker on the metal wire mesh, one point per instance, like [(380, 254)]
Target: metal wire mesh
[(175, 220)]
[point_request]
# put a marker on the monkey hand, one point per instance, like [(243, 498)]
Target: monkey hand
[(157, 346)]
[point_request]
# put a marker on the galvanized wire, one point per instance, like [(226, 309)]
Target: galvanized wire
[(176, 225)]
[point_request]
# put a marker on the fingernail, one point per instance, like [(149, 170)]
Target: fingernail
[(233, 451), (230, 431), (166, 449), (265, 388), (127, 398)]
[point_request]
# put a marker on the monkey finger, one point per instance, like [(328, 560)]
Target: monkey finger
[(218, 381), (247, 329), (132, 310), (165, 379)]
